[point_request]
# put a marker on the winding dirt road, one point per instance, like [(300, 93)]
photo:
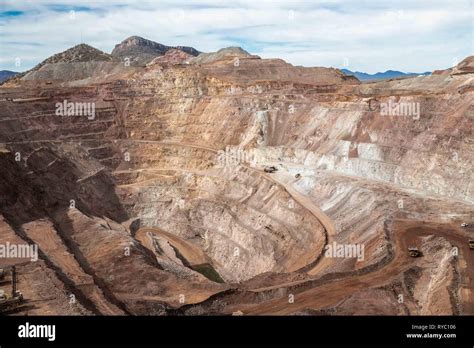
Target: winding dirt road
[(192, 254), (309, 295), (333, 291)]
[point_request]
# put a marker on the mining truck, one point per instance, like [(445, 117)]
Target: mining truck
[(471, 243), (464, 224), (15, 297), (270, 169), (414, 252)]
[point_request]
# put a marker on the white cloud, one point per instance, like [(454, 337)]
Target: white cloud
[(373, 35)]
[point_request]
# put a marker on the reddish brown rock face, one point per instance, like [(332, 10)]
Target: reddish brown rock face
[(148, 190)]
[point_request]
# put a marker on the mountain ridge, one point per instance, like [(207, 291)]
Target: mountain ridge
[(388, 74), (141, 51), (6, 74)]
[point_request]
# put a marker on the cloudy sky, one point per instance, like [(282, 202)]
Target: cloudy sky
[(363, 35)]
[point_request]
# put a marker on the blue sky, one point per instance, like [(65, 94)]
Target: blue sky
[(368, 36)]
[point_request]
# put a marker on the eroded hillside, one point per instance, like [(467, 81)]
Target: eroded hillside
[(216, 184)]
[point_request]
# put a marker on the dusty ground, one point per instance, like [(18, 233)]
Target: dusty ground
[(160, 204)]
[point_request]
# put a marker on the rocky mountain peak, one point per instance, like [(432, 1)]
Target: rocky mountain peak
[(141, 51), (466, 66), (136, 44), (79, 53)]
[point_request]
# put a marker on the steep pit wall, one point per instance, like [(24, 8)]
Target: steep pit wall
[(247, 225)]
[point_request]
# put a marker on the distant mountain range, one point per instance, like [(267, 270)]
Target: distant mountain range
[(136, 50), (389, 74), (141, 51), (6, 74)]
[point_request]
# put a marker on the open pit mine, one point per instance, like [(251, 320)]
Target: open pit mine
[(160, 180)]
